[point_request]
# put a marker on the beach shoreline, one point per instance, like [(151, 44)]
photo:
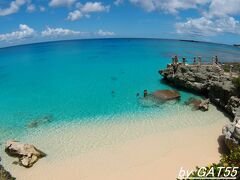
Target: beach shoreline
[(159, 154)]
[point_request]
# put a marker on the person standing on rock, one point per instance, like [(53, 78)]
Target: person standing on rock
[(194, 61), (173, 60), (145, 93), (216, 60), (176, 59), (230, 70), (184, 60), (213, 60), (199, 60)]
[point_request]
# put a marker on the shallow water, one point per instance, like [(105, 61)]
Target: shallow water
[(85, 80)]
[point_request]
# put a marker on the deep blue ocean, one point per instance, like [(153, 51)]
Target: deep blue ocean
[(87, 79)]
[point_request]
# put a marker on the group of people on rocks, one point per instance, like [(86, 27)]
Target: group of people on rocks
[(196, 60)]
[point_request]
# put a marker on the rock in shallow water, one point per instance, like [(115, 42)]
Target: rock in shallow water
[(158, 98), (165, 95), (40, 121), (26, 153)]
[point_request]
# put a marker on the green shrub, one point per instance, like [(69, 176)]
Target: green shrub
[(228, 160), (226, 67), (236, 67), (232, 159), (236, 82)]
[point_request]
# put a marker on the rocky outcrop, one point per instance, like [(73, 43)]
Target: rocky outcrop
[(233, 105), (5, 175), (231, 134), (26, 153), (208, 80), (211, 81)]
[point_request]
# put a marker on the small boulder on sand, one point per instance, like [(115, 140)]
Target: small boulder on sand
[(198, 104), (26, 153)]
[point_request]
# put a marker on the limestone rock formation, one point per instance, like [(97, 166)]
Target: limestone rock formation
[(231, 134), (26, 153), (208, 80)]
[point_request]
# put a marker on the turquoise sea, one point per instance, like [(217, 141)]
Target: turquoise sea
[(84, 80)]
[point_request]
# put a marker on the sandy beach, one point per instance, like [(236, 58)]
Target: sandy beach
[(127, 150)]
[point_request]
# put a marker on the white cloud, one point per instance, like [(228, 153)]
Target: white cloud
[(90, 7), (23, 33), (75, 15), (31, 8), (169, 6), (216, 19), (42, 8), (208, 27), (13, 7), (61, 3), (105, 33), (56, 32), (86, 9), (224, 7), (118, 2)]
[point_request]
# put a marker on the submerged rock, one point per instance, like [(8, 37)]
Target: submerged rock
[(158, 97), (165, 95), (26, 153), (40, 121)]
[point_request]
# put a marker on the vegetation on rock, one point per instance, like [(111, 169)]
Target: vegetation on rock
[(227, 160), (236, 82), (5, 175)]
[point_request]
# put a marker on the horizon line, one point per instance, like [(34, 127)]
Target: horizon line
[(107, 38)]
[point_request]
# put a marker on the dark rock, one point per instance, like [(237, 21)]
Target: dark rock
[(26, 153), (5, 175), (157, 98), (165, 95), (40, 121)]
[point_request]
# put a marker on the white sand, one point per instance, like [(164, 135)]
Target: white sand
[(127, 150)]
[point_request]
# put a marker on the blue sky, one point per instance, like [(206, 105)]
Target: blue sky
[(27, 21)]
